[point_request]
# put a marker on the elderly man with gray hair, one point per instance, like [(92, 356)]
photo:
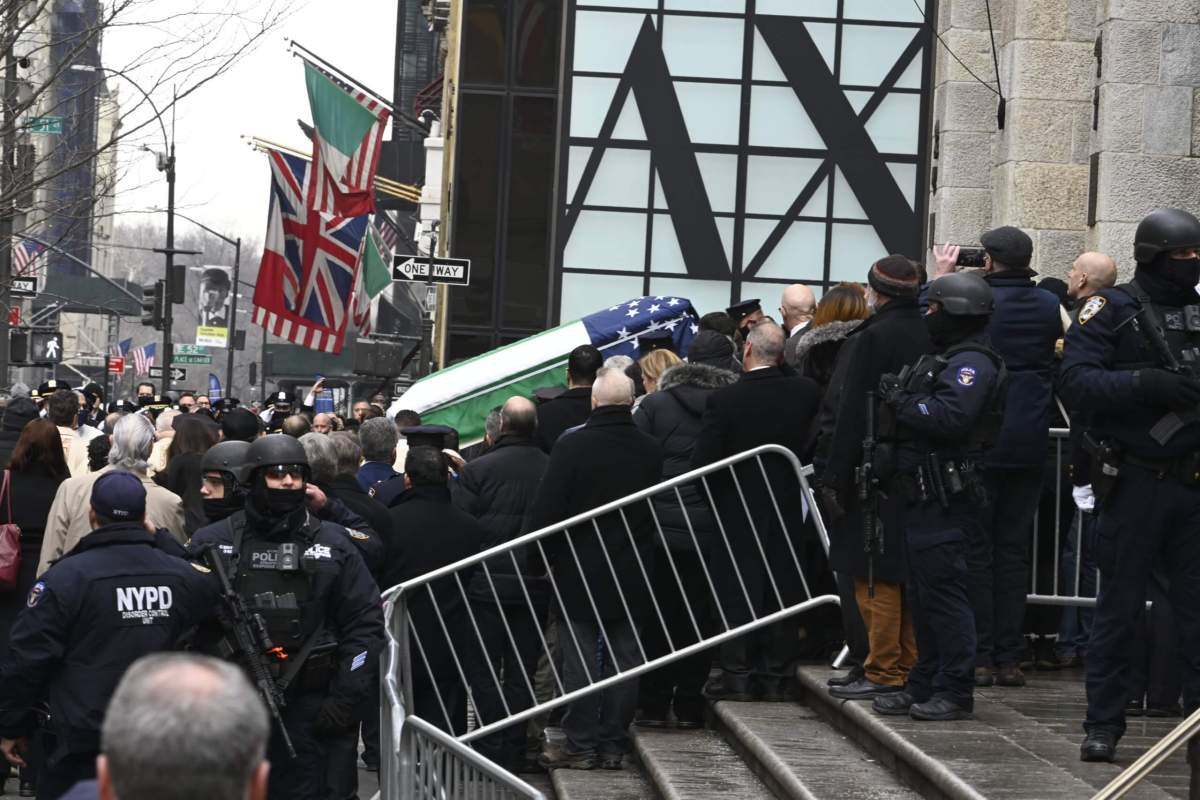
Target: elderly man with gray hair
[(181, 727), (67, 522), (606, 459), (378, 438)]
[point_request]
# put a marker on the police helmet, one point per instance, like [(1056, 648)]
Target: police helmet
[(228, 457), (1164, 230), (276, 449), (962, 294)]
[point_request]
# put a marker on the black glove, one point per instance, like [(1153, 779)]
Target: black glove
[(334, 718), (1170, 389), (889, 385), (831, 504)]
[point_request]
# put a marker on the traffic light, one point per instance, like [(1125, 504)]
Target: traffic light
[(152, 304)]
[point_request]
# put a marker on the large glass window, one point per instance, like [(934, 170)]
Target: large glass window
[(714, 152)]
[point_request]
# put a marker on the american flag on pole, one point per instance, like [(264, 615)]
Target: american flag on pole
[(121, 349), (310, 262), (24, 253), (347, 138), (143, 358)]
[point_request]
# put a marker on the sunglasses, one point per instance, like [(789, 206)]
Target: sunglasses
[(296, 471)]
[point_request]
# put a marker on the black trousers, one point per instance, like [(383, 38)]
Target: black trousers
[(853, 627), (937, 541), (999, 564), (1155, 674), (680, 683), (1145, 518), (307, 776), (514, 668)]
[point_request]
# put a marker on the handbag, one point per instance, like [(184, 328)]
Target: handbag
[(10, 543)]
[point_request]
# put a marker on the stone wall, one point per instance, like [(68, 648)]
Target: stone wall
[(1142, 139)]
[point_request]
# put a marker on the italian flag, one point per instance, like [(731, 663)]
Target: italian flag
[(348, 135)]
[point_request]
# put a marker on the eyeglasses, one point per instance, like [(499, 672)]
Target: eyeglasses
[(296, 471)]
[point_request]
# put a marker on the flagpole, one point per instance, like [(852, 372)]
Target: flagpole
[(345, 75), (387, 186)]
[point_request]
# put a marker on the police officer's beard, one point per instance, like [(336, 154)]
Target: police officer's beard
[(1182, 273)]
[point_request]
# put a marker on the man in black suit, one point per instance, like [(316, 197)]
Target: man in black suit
[(572, 407), (597, 569), (766, 406), (428, 533)]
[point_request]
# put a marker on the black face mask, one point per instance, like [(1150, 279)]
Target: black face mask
[(941, 327), (1183, 273), (217, 509)]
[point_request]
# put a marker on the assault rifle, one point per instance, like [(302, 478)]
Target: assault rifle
[(867, 482), (253, 642)]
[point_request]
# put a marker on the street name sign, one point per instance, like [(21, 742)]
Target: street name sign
[(185, 358), (24, 286), (52, 125), (191, 350), (426, 269), (177, 374)]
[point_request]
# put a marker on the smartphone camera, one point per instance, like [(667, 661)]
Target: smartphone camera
[(970, 257)]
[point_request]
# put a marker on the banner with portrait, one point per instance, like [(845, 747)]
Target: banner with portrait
[(213, 306)]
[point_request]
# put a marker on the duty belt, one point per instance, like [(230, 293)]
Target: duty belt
[(1185, 469)]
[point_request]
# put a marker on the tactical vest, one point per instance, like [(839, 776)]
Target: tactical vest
[(274, 578), (1157, 327)]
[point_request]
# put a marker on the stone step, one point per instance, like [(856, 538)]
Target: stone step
[(600, 784), (999, 754), (695, 765), (802, 757)]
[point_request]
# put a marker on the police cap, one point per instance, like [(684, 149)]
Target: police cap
[(1164, 230), (655, 340), (48, 388), (427, 435), (962, 294), (228, 457), (743, 309), (119, 495)]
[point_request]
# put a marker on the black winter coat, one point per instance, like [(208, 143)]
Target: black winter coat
[(569, 409), (765, 406), (498, 489), (1024, 329), (605, 460), (672, 416), (817, 350), (347, 489), (894, 337), (32, 494)]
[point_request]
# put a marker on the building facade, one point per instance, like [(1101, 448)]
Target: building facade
[(721, 149)]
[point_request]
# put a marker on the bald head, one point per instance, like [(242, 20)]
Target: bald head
[(612, 387), (518, 417), (1090, 273), (764, 346), (797, 305)]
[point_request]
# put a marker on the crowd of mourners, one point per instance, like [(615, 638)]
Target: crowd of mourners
[(924, 402)]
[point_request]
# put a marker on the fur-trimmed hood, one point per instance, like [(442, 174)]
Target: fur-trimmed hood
[(701, 376), (829, 332)]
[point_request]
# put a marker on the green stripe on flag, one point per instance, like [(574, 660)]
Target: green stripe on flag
[(376, 272), (467, 416), (340, 120)]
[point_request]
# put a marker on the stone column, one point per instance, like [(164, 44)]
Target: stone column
[(1147, 141)]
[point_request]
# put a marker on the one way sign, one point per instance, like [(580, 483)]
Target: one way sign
[(177, 374), (455, 271)]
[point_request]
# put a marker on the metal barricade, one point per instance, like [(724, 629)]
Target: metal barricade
[(1072, 589), (747, 525)]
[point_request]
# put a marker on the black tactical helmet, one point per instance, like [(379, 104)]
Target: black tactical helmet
[(272, 450), (1164, 230), (228, 457), (962, 294)]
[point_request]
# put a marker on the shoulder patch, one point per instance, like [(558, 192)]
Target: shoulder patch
[(357, 534), (1091, 308), (35, 594), (199, 567), (966, 376)]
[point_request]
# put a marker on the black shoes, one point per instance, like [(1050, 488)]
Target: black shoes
[(852, 675), (1134, 708), (985, 677), (895, 704), (611, 761), (939, 709), (1098, 746), (1008, 675), (863, 689), (718, 689), (564, 760)]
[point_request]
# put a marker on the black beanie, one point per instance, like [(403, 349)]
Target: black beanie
[(895, 276)]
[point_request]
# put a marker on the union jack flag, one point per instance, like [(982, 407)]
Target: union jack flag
[(310, 262), (24, 252)]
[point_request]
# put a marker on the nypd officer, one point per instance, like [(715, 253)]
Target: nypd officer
[(1130, 363), (944, 412), (114, 598), (221, 488), (320, 605)]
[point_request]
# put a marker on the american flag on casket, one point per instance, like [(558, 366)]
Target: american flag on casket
[(309, 265)]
